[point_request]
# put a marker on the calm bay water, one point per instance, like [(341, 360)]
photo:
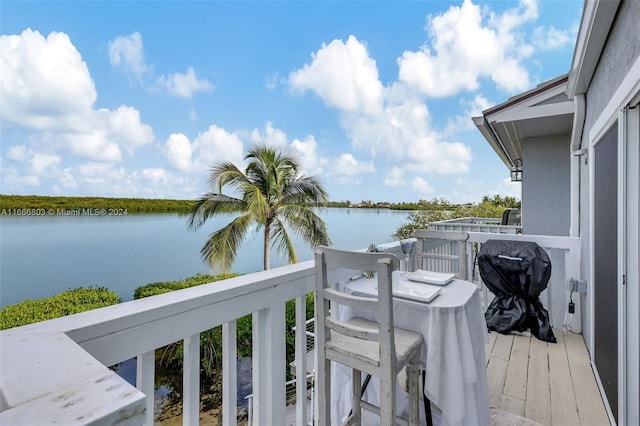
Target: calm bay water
[(42, 256)]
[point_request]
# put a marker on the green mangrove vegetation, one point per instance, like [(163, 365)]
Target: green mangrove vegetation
[(46, 205), (67, 303)]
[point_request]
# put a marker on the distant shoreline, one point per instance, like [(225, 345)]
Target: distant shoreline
[(43, 205)]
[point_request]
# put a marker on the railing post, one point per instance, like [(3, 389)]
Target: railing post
[(229, 374), (301, 361), (191, 381), (145, 381), (269, 365)]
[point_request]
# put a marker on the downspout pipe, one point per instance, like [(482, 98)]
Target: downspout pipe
[(577, 154), (571, 322)]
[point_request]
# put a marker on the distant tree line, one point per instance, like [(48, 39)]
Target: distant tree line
[(150, 205), (12, 203)]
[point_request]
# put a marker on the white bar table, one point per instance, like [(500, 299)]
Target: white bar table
[(455, 333)]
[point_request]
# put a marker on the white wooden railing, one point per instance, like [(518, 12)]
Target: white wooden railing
[(56, 371), (475, 224)]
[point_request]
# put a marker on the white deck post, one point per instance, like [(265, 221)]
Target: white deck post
[(301, 361), (269, 365), (572, 268), (191, 381), (229, 374), (145, 381)]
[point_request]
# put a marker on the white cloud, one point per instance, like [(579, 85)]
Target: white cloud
[(467, 43), (392, 122), (45, 83), (471, 108), (311, 162), (47, 88), (125, 127), (271, 81), (395, 177), (126, 53), (508, 189), (157, 182), (548, 38), (214, 146), (17, 153), (271, 136), (193, 116), (347, 169), (67, 180), (421, 186), (347, 165), (12, 180), (94, 146), (343, 75), (101, 173), (184, 85), (440, 157), (41, 162), (178, 151)]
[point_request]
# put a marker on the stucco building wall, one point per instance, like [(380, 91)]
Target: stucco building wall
[(621, 50), (546, 185)]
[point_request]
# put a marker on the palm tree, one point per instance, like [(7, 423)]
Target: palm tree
[(272, 195)]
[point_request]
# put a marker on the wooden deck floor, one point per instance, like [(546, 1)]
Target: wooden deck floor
[(551, 384)]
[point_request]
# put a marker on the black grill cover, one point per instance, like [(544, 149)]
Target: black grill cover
[(516, 272)]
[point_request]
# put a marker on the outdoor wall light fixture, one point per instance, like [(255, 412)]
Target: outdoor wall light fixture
[(516, 171)]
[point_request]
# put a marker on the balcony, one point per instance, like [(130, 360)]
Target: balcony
[(57, 371)]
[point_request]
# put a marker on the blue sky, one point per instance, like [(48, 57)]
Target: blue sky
[(138, 99)]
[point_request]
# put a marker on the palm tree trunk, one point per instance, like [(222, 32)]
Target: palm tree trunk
[(267, 247)]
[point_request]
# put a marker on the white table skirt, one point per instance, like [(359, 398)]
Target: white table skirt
[(455, 333)]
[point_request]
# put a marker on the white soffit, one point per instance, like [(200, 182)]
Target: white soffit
[(543, 111)]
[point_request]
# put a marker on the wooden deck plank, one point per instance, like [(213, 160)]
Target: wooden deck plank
[(496, 374), (512, 405), (538, 402), (488, 348), (564, 410), (516, 381), (591, 410), (502, 347), (560, 388)]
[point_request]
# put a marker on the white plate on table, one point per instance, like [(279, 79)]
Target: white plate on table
[(429, 277), (414, 291)]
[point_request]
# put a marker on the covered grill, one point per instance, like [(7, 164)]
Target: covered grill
[(516, 272)]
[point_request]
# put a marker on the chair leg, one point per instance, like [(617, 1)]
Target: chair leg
[(388, 397), (356, 411), (413, 373), (323, 383), (426, 402)]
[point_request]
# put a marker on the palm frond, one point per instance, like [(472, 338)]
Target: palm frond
[(212, 204), (221, 249), (306, 223)]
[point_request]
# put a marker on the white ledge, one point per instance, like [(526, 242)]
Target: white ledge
[(42, 371)]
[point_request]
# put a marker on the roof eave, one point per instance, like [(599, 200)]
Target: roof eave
[(597, 17)]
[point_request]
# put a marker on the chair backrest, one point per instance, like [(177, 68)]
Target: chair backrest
[(511, 217), (329, 294), (442, 251)]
